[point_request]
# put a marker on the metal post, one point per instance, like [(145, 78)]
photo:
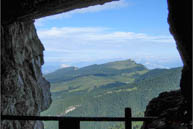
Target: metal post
[(69, 124), (128, 115)]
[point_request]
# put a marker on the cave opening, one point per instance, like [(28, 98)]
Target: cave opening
[(25, 91), (91, 54)]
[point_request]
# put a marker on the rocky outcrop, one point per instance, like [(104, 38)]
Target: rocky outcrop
[(174, 109), (171, 111), (180, 21), (24, 90), (25, 10)]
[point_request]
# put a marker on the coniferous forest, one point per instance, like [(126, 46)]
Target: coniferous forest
[(105, 90)]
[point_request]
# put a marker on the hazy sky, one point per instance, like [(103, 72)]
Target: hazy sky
[(135, 29)]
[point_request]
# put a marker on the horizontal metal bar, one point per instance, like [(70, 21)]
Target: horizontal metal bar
[(57, 118)]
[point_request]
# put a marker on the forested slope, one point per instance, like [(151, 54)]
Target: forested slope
[(105, 90)]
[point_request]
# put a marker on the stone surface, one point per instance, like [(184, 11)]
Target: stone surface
[(171, 111), (174, 109), (22, 10), (180, 21), (24, 90)]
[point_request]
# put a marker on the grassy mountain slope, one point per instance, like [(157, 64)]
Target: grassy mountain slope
[(105, 90), (108, 69)]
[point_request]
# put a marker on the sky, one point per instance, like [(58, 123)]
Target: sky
[(119, 30)]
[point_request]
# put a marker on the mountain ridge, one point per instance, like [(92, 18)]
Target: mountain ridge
[(101, 69), (104, 91)]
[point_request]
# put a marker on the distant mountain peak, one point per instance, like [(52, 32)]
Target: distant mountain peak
[(107, 69), (123, 64), (70, 67)]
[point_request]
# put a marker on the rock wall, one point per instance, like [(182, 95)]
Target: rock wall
[(171, 111), (22, 10), (24, 90), (180, 21), (174, 109)]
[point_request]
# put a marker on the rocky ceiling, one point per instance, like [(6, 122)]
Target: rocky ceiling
[(13, 10)]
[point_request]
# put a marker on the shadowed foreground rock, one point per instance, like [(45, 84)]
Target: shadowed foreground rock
[(25, 10), (24, 90), (171, 110), (175, 108)]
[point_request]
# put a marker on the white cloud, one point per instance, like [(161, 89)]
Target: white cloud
[(64, 66), (66, 31), (69, 45), (89, 35)]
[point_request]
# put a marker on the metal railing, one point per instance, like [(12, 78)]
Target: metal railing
[(74, 122)]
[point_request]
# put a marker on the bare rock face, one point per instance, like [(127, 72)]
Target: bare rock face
[(174, 109), (24, 90), (171, 111), (22, 10), (180, 21)]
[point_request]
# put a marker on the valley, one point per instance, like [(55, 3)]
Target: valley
[(106, 89)]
